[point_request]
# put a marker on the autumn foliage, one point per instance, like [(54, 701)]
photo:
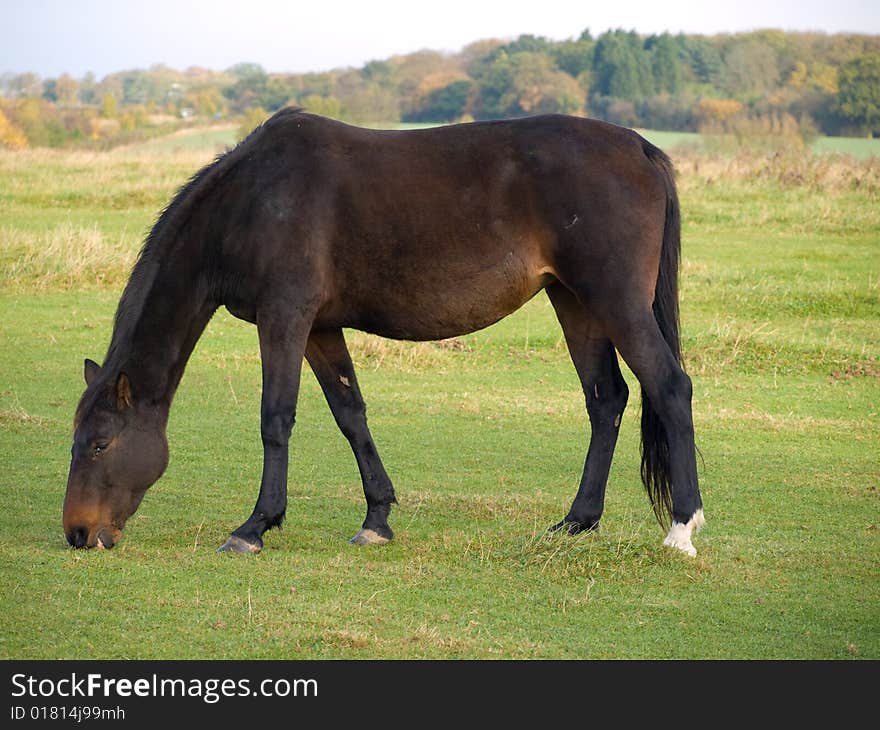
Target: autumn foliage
[(763, 82)]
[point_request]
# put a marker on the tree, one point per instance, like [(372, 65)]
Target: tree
[(622, 67), (277, 92), (858, 100), (247, 71), (667, 111), (704, 59), (365, 101), (750, 69), (250, 85), (380, 72), (207, 101), (50, 92), (326, 106), (526, 83), (109, 107), (475, 56), (527, 44), (11, 137), (665, 63), (409, 71), (87, 89), (67, 90), (25, 85), (250, 121), (320, 84), (136, 88), (39, 121), (445, 104), (574, 57)]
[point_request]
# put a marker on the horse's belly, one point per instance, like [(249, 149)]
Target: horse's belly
[(433, 305)]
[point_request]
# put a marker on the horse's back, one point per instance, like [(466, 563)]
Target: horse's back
[(431, 233)]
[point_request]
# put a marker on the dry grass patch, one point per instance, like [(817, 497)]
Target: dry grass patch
[(64, 257), (372, 352), (16, 415), (789, 169)]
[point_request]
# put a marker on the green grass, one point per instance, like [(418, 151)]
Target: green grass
[(213, 139), (672, 140), (861, 148), (485, 442), (857, 147)]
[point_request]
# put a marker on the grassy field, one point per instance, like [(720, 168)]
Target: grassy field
[(859, 147), (484, 440), (214, 139)]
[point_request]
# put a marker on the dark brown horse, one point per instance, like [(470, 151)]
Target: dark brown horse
[(311, 225)]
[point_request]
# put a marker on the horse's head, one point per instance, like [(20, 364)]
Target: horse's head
[(119, 451)]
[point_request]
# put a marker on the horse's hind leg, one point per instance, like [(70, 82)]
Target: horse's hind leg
[(331, 363), (606, 394), (669, 462)]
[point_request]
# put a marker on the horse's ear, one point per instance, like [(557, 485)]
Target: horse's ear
[(123, 392), (90, 371)]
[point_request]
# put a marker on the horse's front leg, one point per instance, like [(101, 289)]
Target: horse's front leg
[(282, 346)]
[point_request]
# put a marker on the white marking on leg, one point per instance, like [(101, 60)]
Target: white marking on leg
[(680, 533)]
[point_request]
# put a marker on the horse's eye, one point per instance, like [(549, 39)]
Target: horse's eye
[(98, 448)]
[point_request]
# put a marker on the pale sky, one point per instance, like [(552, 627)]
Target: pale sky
[(50, 37)]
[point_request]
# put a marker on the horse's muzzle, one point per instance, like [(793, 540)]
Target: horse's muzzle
[(78, 537)]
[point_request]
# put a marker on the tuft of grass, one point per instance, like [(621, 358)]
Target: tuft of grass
[(64, 257), (369, 351), (16, 415), (786, 168)]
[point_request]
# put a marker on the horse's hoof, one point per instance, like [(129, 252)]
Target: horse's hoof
[(369, 537), (237, 544), (574, 528), (680, 533)]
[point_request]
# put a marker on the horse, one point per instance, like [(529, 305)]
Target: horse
[(310, 225)]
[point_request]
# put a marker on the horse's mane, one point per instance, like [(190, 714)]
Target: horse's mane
[(143, 273)]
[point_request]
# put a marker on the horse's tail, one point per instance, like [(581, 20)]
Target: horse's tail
[(655, 446)]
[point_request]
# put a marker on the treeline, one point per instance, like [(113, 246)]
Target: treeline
[(806, 83)]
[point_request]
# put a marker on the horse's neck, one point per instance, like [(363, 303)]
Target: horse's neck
[(173, 314)]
